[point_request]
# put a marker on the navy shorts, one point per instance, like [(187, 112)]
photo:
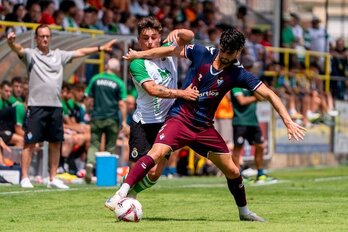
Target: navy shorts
[(176, 133), (252, 134), (142, 137), (43, 123)]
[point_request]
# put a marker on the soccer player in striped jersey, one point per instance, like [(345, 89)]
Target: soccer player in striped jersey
[(156, 83)]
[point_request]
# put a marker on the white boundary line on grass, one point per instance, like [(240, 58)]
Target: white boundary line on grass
[(52, 190), (330, 178), (37, 191), (224, 185)]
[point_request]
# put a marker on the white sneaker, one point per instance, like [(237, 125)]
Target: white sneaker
[(312, 116), (111, 203), (333, 113), (251, 216), (55, 183), (25, 183)]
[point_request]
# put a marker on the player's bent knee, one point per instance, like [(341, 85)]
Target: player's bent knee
[(158, 152), (232, 173)]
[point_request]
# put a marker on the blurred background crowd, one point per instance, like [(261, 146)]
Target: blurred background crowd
[(298, 80)]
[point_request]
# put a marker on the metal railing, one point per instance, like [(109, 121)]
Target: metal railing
[(307, 62)]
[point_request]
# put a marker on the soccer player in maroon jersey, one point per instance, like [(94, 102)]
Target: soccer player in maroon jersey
[(213, 72)]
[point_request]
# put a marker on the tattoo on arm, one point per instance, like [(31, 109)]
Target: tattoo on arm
[(164, 91)]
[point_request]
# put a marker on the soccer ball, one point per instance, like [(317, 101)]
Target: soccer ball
[(129, 210)]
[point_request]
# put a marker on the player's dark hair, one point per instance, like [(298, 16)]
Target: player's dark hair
[(5, 83), (149, 23), (16, 79), (41, 26), (232, 40), (78, 86), (66, 85)]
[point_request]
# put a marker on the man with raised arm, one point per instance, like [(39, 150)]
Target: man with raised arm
[(44, 117)]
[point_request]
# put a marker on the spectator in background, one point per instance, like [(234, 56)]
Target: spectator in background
[(127, 24), (253, 45), (139, 8), (106, 23), (11, 117), (254, 50), (318, 40), (68, 7), (121, 5), (78, 17), (297, 29), (48, 9), (90, 18), (109, 112), (246, 126), (17, 15), (76, 132), (44, 118), (287, 35), (17, 90), (339, 67), (58, 16), (98, 4), (214, 36), (33, 12), (244, 21)]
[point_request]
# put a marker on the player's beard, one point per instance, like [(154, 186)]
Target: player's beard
[(224, 61)]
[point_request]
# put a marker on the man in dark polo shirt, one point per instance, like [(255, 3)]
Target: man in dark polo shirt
[(44, 117), (109, 109)]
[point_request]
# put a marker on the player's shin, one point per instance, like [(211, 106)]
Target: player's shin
[(142, 185), (137, 173), (237, 189)]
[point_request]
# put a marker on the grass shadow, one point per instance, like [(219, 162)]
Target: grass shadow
[(181, 219)]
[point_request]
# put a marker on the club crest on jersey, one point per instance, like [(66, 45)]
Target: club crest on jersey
[(162, 136), (220, 81), (134, 153), (29, 136)]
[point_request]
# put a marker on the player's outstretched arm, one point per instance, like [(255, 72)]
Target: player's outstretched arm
[(107, 47), (17, 48), (180, 36), (295, 131), (160, 91), (153, 53)]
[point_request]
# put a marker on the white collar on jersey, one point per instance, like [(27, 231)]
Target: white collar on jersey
[(212, 72), (237, 63)]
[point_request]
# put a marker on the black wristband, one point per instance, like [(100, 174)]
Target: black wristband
[(99, 49)]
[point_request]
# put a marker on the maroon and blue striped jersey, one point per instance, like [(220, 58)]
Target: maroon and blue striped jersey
[(212, 85)]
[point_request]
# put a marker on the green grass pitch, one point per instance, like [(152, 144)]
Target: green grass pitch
[(310, 199)]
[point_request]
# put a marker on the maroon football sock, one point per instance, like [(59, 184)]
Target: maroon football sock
[(140, 169), (237, 189)]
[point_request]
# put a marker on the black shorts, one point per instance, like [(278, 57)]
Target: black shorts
[(6, 135), (142, 137), (252, 134), (43, 123)]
